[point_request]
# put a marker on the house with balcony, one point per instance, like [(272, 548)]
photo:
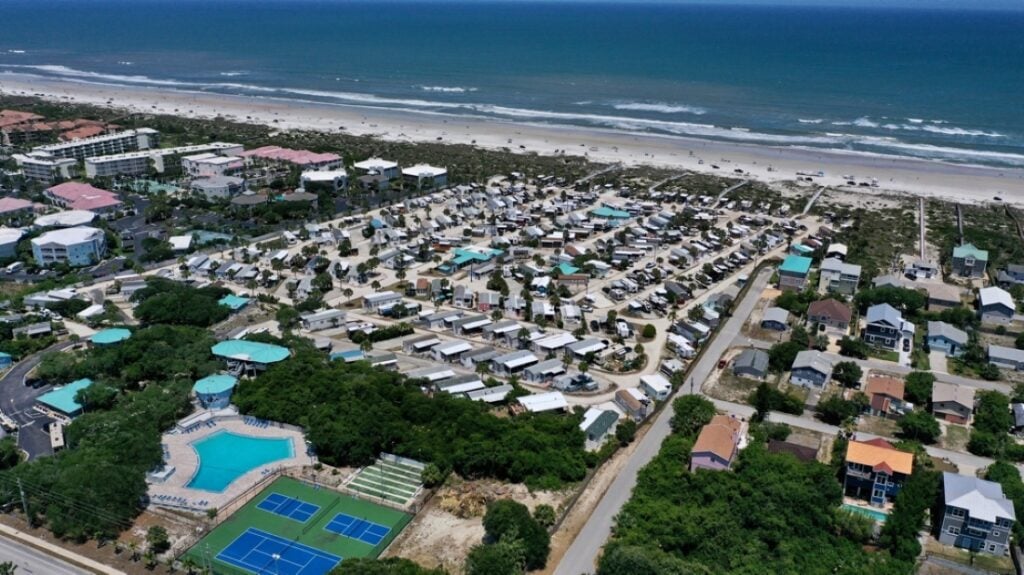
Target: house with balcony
[(953, 403), (976, 515), (793, 273), (875, 470), (838, 276), (834, 315), (885, 395), (969, 261), (886, 328)]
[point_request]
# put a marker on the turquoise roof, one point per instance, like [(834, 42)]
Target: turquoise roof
[(796, 265), (565, 269), (5, 355), (465, 256), (606, 212), (63, 399), (234, 302), (215, 384), (254, 351), (109, 336), (970, 250)]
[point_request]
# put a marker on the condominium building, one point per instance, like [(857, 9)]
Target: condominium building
[(106, 144), (211, 164), (138, 163), (43, 167), (76, 247)]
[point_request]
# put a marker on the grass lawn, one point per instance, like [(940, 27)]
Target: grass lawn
[(884, 355), (981, 561), (955, 438), (311, 533), (878, 425)]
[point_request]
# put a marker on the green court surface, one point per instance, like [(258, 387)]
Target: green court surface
[(311, 533), (388, 480)]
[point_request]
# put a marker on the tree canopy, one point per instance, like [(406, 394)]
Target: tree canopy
[(168, 302)]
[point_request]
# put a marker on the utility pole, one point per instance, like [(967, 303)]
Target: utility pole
[(24, 500)]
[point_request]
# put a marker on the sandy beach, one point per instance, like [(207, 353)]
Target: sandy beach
[(957, 182)]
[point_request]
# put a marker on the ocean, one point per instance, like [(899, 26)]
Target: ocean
[(940, 85)]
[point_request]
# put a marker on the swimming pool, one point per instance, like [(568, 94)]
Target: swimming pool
[(226, 456), (878, 516)]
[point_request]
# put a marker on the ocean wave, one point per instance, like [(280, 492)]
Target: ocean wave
[(962, 132), (810, 121), (15, 51), (660, 108), (447, 89), (865, 122), (234, 73), (64, 71), (915, 120)]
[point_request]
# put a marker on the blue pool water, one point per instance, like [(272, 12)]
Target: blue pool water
[(878, 516), (226, 456)]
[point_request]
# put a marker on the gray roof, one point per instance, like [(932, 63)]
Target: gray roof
[(776, 314), (884, 312), (838, 265), (943, 329), (948, 392), (755, 359), (982, 499), (811, 359), (1006, 353)]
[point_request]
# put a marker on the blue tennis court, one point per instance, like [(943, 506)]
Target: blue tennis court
[(359, 529), (261, 553), (294, 509)]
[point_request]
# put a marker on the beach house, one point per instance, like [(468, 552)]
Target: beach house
[(969, 261), (717, 444), (875, 470), (976, 515), (839, 277), (793, 273)]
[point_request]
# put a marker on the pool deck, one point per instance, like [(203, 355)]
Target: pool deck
[(173, 491)]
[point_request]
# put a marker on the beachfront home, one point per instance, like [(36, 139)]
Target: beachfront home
[(995, 305), (1011, 276), (793, 273), (875, 470), (386, 169), (969, 261), (946, 338), (976, 515), (43, 167), (718, 444), (953, 403), (839, 277), (834, 315), (886, 327), (424, 176), (810, 369)]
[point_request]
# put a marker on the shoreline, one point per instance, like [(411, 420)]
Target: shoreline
[(895, 174)]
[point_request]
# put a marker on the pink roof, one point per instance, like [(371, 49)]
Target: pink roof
[(13, 205), (80, 196), (300, 157)]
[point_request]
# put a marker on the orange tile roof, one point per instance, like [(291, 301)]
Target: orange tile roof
[(719, 437), (879, 457), (14, 117), (885, 385)]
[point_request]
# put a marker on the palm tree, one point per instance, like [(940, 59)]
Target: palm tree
[(8, 568)]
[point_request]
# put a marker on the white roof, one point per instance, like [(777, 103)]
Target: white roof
[(656, 381), (180, 243), (996, 296), (375, 164), (452, 347), (10, 235), (424, 171), (66, 219), (982, 499), (516, 359), (431, 373), (95, 309), (324, 176), (68, 236), (211, 158), (544, 401), (556, 341)]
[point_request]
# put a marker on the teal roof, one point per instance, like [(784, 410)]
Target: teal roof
[(565, 269), (254, 351), (214, 384), (5, 355), (63, 399), (465, 256), (796, 265), (606, 212), (109, 336), (970, 250), (234, 302), (802, 249)]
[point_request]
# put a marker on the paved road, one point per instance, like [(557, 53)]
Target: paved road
[(17, 400), (582, 554), (30, 561)]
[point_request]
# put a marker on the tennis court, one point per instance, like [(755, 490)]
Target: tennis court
[(396, 480), (261, 553), (290, 507), (359, 529), (246, 541)]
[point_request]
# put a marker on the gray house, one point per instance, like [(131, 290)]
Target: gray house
[(886, 327), (995, 305), (1006, 357), (969, 261), (838, 276), (810, 369), (946, 338), (751, 363), (975, 515), (775, 318)]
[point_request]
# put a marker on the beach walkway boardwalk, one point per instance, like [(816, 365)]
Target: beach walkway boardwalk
[(729, 190), (810, 202)]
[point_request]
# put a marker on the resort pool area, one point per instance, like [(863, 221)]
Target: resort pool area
[(225, 456), (878, 516)]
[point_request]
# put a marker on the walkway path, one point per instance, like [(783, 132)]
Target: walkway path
[(814, 198)]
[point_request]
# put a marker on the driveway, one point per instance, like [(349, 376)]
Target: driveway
[(937, 362), (18, 400)]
